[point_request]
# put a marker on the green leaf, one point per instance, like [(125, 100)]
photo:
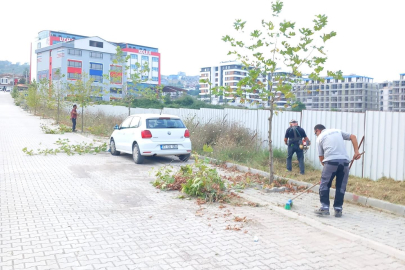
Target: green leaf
[(276, 8)]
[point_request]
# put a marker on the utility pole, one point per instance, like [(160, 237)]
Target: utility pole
[(210, 95)]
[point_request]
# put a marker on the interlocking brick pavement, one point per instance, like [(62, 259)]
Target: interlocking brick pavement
[(101, 212)]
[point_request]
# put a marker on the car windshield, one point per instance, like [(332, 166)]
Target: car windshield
[(164, 123)]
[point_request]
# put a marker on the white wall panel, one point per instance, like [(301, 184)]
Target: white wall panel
[(346, 121), (246, 118), (385, 145), (211, 115)]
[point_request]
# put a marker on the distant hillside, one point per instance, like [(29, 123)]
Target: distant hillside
[(17, 68), (181, 80)]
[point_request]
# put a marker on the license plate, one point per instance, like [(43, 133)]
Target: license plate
[(168, 146)]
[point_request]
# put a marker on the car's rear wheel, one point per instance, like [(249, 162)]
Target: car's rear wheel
[(136, 154), (184, 157), (113, 148)]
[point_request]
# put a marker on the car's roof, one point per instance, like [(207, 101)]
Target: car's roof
[(155, 115)]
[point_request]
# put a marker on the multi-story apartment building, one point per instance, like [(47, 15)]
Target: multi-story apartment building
[(396, 98), (385, 89), (227, 73), (354, 93), (74, 55)]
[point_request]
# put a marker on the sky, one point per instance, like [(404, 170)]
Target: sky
[(188, 33)]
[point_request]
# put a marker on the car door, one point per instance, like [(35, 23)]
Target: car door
[(131, 133), (120, 139)]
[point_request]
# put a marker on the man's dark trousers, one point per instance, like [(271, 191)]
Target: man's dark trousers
[(74, 124), (295, 148), (338, 168)]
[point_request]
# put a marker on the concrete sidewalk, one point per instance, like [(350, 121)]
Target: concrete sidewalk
[(101, 212)]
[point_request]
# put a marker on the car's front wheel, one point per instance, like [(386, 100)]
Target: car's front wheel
[(113, 148), (136, 154), (184, 157)]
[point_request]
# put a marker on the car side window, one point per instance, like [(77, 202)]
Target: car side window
[(135, 122), (126, 122)]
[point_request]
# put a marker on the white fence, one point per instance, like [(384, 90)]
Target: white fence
[(384, 132)]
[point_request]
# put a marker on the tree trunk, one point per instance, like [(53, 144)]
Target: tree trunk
[(271, 159), (58, 111)]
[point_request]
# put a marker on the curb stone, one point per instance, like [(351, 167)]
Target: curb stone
[(349, 197)]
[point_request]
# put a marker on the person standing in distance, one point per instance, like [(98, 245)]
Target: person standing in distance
[(335, 162), (73, 117), (293, 139)]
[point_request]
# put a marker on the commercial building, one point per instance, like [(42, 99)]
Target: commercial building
[(352, 94), (74, 55)]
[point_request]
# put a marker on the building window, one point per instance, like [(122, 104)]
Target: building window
[(96, 55), (155, 79), (74, 76), (133, 66), (116, 68), (155, 69), (145, 58), (115, 90), (144, 78), (155, 59), (75, 52), (134, 56), (96, 66), (97, 78), (39, 45), (97, 44), (74, 64)]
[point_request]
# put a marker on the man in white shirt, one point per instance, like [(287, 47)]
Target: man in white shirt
[(334, 158)]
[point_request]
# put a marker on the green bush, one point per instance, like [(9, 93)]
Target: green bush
[(196, 180), (14, 92)]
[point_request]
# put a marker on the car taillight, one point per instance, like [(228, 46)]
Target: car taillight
[(146, 134), (187, 134)]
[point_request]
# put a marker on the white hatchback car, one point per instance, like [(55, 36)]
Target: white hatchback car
[(151, 135)]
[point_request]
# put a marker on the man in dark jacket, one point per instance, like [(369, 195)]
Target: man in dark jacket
[(293, 139)]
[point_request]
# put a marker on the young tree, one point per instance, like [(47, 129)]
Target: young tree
[(138, 74), (83, 92), (33, 98), (278, 45), (45, 92), (59, 91)]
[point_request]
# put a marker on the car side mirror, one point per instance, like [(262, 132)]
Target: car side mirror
[(116, 127)]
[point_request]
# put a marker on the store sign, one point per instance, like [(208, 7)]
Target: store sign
[(145, 52), (65, 39)]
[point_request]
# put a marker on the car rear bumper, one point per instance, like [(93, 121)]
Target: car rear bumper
[(153, 148)]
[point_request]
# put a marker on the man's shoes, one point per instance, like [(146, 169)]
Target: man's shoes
[(338, 212), (302, 173), (322, 211)]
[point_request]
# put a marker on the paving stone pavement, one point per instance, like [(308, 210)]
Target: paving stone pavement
[(367, 222), (101, 212)]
